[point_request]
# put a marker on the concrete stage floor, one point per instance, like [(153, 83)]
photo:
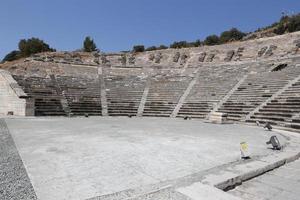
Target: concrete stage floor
[(80, 158)]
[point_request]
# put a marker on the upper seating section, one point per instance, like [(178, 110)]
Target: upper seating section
[(252, 50), (286, 45)]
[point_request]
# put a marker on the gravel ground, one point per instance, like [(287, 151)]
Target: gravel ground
[(14, 181)]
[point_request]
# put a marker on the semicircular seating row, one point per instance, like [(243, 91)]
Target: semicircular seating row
[(161, 93)]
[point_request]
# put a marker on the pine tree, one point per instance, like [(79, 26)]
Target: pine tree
[(89, 45)]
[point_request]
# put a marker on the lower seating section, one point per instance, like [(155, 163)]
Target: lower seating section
[(83, 95), (43, 90), (124, 94), (255, 90), (210, 88), (164, 94), (281, 110)]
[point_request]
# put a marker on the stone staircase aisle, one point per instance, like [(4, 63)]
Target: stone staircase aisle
[(124, 94), (164, 94), (82, 93), (211, 85)]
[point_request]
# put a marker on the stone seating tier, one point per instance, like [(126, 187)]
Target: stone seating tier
[(281, 110)]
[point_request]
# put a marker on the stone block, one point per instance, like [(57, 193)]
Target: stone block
[(218, 117)]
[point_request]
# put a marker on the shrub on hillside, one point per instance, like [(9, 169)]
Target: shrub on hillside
[(13, 55), (197, 43), (32, 46), (138, 48), (288, 24), (89, 45), (179, 45), (231, 35), (294, 23), (212, 40), (152, 48), (161, 47), (27, 48)]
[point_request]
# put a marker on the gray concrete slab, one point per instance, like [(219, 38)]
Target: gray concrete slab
[(278, 184), (79, 158), (199, 191)]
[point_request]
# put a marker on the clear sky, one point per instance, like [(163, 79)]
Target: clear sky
[(117, 25)]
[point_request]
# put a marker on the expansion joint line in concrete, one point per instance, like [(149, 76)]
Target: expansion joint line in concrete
[(102, 92), (227, 96), (63, 100), (185, 94), (144, 97), (279, 92)]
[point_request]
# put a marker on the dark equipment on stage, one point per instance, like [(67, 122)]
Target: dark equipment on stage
[(274, 142)]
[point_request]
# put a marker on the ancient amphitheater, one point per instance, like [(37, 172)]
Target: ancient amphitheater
[(249, 82)]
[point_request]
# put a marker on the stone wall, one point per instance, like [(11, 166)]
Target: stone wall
[(13, 100), (258, 49), (86, 64)]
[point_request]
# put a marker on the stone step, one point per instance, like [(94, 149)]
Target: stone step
[(272, 118), (286, 115)]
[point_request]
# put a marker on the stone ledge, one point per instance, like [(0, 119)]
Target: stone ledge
[(202, 191), (232, 176)]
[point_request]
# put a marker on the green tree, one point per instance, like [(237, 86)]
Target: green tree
[(89, 45), (152, 48), (28, 47), (294, 23), (197, 43), (13, 55), (162, 47), (32, 46), (231, 35), (138, 48), (212, 40), (287, 24), (179, 45)]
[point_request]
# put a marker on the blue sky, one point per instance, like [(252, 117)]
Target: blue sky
[(117, 25)]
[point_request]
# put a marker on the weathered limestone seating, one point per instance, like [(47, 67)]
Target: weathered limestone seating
[(295, 122), (280, 111), (77, 58), (185, 93), (164, 94), (47, 100), (164, 83), (213, 83), (202, 57), (83, 94), (264, 48), (124, 94), (255, 90), (229, 56)]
